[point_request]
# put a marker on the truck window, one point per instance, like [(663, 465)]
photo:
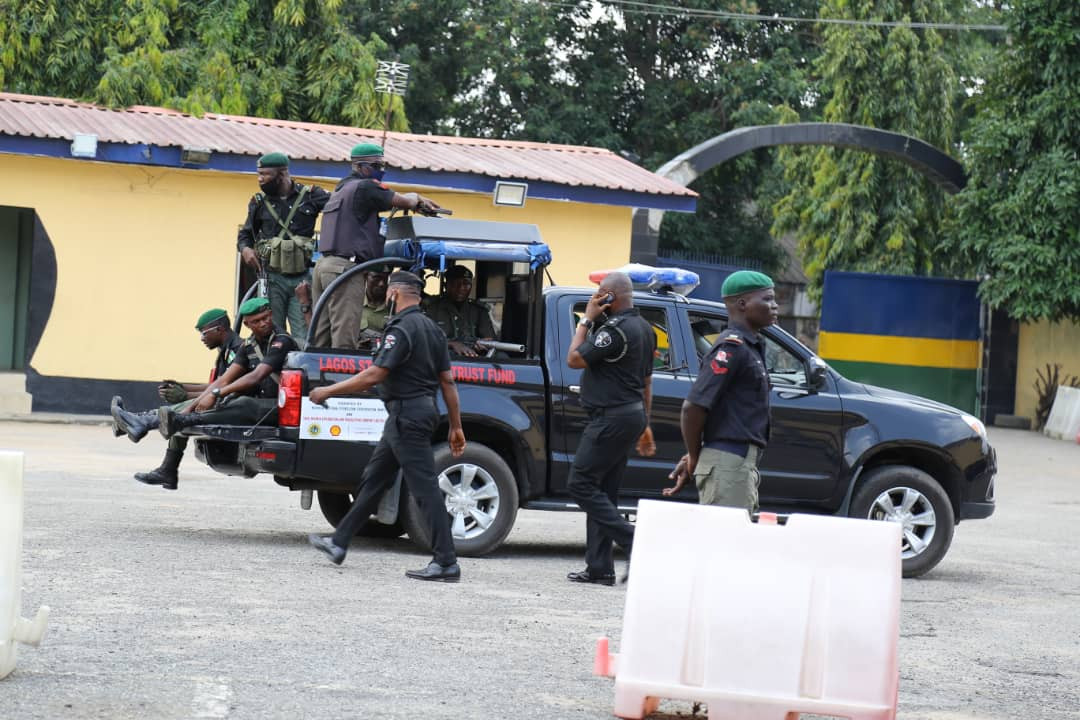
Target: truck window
[(657, 318), (785, 368)]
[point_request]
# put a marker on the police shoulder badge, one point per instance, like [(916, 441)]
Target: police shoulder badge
[(603, 339), (733, 338), (719, 363), (389, 340)]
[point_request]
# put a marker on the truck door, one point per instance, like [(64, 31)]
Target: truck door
[(801, 465), (645, 477)]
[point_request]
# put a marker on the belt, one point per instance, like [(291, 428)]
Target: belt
[(351, 258), (742, 449), (618, 409), (421, 401)]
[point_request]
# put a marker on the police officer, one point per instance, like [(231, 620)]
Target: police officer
[(216, 334), (616, 390), (725, 417), (411, 364), (278, 234), (246, 394), (462, 319), (350, 235), (373, 316)]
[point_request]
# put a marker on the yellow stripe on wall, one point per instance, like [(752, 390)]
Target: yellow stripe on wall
[(920, 352)]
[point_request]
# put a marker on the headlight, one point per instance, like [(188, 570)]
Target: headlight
[(975, 424)]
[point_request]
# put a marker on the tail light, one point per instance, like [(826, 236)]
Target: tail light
[(288, 399)]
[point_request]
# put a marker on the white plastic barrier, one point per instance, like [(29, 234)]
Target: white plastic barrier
[(1064, 420), (13, 629), (759, 620)]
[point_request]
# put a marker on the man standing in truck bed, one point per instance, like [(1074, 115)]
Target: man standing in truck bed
[(412, 362), (350, 235), (616, 389)]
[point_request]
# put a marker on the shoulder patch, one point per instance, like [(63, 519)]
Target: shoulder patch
[(733, 338), (276, 344), (382, 185), (389, 341), (602, 339), (614, 322)]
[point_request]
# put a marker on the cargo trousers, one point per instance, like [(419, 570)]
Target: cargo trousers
[(725, 478)]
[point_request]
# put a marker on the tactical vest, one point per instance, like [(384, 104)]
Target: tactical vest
[(285, 252), (342, 232)]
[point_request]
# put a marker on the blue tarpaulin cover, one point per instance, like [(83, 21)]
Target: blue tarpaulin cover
[(536, 254)]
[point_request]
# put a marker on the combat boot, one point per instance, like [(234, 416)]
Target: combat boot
[(117, 403), (170, 422), (136, 425), (165, 474)]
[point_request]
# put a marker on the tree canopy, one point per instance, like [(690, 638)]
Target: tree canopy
[(853, 210), (290, 59), (1018, 220)]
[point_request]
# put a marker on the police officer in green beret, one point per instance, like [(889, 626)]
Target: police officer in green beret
[(278, 235), (725, 417), (463, 319), (246, 394), (350, 235), (216, 334)]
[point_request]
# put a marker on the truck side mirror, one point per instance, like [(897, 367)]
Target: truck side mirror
[(818, 371)]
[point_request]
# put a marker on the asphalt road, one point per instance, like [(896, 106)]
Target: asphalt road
[(208, 603)]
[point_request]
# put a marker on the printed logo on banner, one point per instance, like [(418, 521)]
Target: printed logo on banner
[(335, 430), (314, 429)]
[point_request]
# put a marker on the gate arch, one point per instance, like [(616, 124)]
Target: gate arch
[(943, 170)]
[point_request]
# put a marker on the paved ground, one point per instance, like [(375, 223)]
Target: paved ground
[(207, 603)]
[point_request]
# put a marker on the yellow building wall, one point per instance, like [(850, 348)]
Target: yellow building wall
[(142, 251), (1041, 343)]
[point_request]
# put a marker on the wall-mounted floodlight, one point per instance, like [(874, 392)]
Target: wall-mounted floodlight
[(194, 156), (84, 145), (511, 193)]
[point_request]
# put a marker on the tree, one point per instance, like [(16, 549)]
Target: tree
[(1018, 220), (648, 84), (290, 59), (853, 210)]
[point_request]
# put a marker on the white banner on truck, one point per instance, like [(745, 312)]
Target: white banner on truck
[(352, 419)]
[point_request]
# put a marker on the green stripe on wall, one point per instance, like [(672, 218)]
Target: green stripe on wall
[(951, 386)]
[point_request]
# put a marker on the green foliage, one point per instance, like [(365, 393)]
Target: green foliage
[(290, 59), (1018, 220), (644, 85), (856, 211)]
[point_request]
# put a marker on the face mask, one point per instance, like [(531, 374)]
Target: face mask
[(269, 188), (377, 174)]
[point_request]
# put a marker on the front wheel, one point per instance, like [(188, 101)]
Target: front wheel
[(910, 497), (481, 499)]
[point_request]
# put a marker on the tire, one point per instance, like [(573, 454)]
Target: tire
[(492, 494), (334, 505), (907, 495)]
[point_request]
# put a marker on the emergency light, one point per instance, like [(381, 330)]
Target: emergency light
[(646, 277)]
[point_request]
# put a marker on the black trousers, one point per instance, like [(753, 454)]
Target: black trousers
[(595, 477), (405, 444)]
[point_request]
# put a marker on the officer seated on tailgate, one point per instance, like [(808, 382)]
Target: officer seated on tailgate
[(463, 319)]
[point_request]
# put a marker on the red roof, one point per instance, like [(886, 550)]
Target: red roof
[(578, 166)]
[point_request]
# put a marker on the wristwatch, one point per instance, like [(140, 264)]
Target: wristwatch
[(586, 322), (216, 392)]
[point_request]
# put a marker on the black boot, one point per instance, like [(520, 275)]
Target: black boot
[(165, 474), (136, 425), (170, 422), (116, 404)]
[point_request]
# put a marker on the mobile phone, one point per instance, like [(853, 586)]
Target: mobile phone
[(607, 299)]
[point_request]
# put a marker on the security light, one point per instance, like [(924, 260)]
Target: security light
[(511, 193), (194, 156), (84, 145)]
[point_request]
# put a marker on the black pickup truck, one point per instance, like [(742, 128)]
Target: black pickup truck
[(837, 447)]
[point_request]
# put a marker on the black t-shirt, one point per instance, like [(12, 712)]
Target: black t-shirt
[(274, 352), (733, 386), (227, 354), (260, 223), (413, 349), (618, 357)]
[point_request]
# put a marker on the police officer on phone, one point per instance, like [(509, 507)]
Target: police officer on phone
[(411, 364), (616, 390)]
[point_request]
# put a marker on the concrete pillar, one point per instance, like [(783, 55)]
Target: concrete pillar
[(13, 628)]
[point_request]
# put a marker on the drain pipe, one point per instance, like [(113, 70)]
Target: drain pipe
[(13, 628)]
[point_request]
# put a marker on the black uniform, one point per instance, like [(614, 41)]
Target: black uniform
[(261, 223), (226, 354), (619, 357), (414, 350), (733, 387), (249, 409)]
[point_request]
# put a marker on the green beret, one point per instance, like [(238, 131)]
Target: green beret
[(744, 281), (210, 316), (274, 160), (366, 150), (254, 305)]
